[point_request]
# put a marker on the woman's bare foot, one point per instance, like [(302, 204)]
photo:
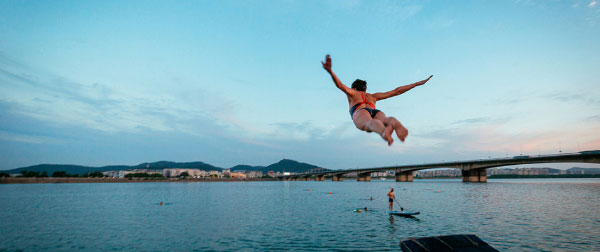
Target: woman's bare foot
[(401, 131), (387, 134)]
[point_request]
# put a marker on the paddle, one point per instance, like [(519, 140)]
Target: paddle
[(401, 209)]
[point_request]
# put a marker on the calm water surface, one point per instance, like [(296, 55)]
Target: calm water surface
[(511, 215)]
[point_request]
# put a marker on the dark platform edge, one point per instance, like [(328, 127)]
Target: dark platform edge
[(459, 242)]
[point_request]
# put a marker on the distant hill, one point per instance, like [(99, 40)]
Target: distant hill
[(283, 165), (78, 169), (247, 168), (187, 165), (51, 168), (288, 165)]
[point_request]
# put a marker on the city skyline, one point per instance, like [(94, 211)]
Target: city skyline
[(236, 82)]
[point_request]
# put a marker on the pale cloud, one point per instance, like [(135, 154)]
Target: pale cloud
[(588, 98), (473, 120), (25, 138), (498, 138), (595, 118), (58, 100), (592, 4), (308, 131)]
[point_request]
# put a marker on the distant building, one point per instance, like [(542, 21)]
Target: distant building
[(247, 174), (148, 171), (194, 173), (123, 173), (215, 174), (439, 173), (238, 175), (116, 174), (525, 171), (388, 173), (253, 174)]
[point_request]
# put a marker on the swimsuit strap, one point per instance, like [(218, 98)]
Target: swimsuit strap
[(353, 110), (364, 97)]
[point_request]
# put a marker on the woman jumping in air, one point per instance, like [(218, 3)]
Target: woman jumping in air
[(362, 106)]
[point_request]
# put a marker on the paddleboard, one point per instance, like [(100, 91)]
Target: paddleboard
[(403, 213)]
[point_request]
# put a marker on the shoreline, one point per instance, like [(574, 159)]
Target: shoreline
[(50, 180)]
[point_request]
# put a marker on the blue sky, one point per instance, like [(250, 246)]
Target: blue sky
[(240, 82)]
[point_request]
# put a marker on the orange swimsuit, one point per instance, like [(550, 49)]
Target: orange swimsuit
[(371, 111)]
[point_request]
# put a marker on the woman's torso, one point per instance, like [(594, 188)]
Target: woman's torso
[(364, 99)]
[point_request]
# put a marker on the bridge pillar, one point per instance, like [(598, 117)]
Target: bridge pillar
[(306, 178), (404, 176), (363, 176), (286, 179), (482, 176), (337, 177), (319, 177), (478, 175)]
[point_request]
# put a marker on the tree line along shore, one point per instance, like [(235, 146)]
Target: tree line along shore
[(32, 177), (51, 180)]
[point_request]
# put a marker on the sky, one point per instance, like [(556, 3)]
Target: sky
[(240, 82)]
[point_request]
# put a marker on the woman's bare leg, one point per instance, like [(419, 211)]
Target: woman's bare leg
[(363, 121), (401, 131)]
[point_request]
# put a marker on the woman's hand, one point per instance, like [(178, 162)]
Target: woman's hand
[(419, 83), (327, 63)]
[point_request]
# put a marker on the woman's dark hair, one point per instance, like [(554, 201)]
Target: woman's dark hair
[(359, 85)]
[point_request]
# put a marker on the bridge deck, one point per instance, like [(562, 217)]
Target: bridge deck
[(581, 157)]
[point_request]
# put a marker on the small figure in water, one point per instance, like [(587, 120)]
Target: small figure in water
[(366, 209), (392, 198), (362, 106), (370, 198)]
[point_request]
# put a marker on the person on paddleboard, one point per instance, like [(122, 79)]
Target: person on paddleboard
[(391, 197), (362, 106)]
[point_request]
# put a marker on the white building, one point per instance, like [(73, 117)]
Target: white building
[(116, 174), (176, 172), (215, 174), (253, 174)]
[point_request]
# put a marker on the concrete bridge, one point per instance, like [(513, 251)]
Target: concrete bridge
[(472, 170)]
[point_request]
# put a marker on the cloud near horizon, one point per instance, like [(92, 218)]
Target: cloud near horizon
[(107, 108)]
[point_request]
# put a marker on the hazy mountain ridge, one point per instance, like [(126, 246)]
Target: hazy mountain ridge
[(247, 168), (287, 165), (283, 165)]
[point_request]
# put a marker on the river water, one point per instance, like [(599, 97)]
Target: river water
[(511, 215)]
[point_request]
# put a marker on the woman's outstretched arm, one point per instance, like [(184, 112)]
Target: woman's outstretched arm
[(399, 90), (338, 83)]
